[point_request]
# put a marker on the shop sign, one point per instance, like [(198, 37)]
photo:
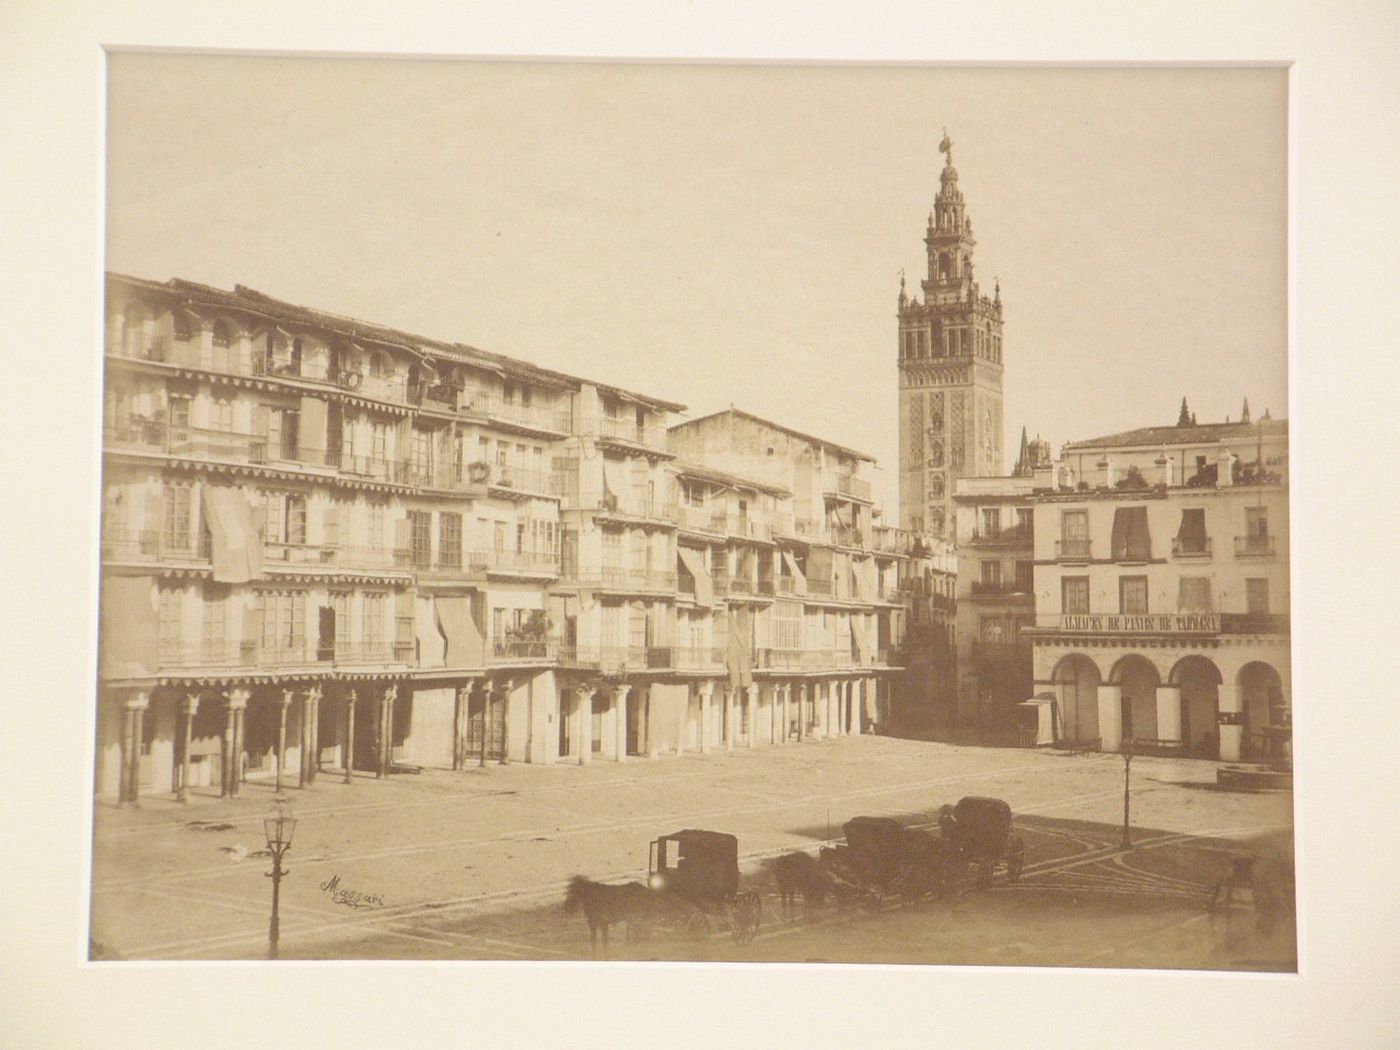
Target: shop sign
[(1148, 623)]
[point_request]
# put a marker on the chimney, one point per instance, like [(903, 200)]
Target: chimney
[(1105, 466), (1224, 468), (1164, 466)]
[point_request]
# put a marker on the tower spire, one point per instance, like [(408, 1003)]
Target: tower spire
[(1244, 412)]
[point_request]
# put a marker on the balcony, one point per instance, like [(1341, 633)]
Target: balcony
[(700, 519), (845, 535), (500, 479), (619, 659), (621, 578), (605, 504), (150, 547), (846, 487), (613, 428), (1072, 550), (537, 416), (1255, 546), (748, 528), (1199, 547), (254, 655), (1000, 589), (1017, 536), (1003, 654), (1253, 623), (518, 651), (333, 557), (156, 435), (520, 563)]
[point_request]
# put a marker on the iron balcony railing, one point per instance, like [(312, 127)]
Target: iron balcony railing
[(301, 652), (614, 506), (150, 546), (481, 476), (335, 556), (491, 559), (748, 528), (845, 485), (619, 429), (1072, 550), (1000, 588), (1255, 545), (523, 651), (621, 578), (1183, 547), (1016, 536), (703, 519), (544, 415), (846, 535)]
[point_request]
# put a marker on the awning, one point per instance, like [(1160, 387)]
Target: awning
[(1131, 541), (236, 547), (311, 427), (864, 572), (799, 580), (694, 564), (127, 645), (858, 640), (614, 478), (465, 645), (1192, 532)]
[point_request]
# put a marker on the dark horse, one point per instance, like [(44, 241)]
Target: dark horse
[(604, 905), (801, 873)]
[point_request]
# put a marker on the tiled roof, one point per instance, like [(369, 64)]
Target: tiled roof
[(1199, 434), (720, 477), (740, 413), (247, 300)]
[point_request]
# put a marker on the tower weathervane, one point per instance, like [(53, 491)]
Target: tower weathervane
[(946, 146)]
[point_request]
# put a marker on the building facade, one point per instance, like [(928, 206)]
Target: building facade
[(333, 546), (1161, 590), (950, 370)]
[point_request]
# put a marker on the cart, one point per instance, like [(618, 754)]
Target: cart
[(884, 859), (980, 830), (698, 871)]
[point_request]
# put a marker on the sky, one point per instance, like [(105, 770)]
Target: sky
[(734, 234)]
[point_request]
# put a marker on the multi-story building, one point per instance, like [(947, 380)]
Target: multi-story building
[(328, 544), (950, 370), (1161, 589), (994, 531)]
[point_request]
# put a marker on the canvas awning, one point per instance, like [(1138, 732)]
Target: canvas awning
[(311, 427), (694, 563), (236, 549), (738, 660), (1131, 541), (128, 643), (614, 478), (794, 570), (465, 645), (1192, 532)]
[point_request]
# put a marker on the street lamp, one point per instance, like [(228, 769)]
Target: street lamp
[(1127, 750), (278, 826)]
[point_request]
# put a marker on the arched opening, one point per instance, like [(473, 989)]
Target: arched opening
[(1199, 681), (1077, 687), (1266, 710), (1139, 680)]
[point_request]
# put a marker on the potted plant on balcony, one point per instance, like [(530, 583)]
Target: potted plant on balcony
[(530, 639)]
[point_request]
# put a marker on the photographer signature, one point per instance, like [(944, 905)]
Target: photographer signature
[(350, 898)]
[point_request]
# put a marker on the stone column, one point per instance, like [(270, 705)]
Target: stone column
[(133, 715), (682, 723), (858, 688), (349, 745), (460, 713), (385, 756), (231, 771), (801, 711), (282, 706), (729, 693), (1110, 717), (1231, 721), (240, 742), (873, 684), (620, 721), (310, 735), (503, 687), (583, 711), (707, 692), (188, 707), (1169, 714), (753, 715), (787, 711)]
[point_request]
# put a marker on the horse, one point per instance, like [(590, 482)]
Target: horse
[(799, 872), (604, 905)]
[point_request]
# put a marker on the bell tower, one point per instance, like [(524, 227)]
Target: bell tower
[(950, 369)]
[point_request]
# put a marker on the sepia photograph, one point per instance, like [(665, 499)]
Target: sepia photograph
[(759, 513)]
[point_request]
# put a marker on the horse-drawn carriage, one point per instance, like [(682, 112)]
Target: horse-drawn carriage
[(883, 859), (700, 869), (980, 830)]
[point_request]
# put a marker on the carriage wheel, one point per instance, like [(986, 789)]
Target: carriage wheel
[(698, 925), (746, 916)]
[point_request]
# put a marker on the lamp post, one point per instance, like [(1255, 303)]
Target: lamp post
[(278, 826), (1127, 749)]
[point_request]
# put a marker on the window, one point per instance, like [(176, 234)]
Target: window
[(508, 393), (221, 334), (340, 607), (169, 616), (450, 539), (379, 442), (374, 618), (1256, 596), (991, 521), (1132, 595), (1191, 536), (376, 526), (1194, 595), (1025, 521), (334, 518), (175, 518), (1074, 533), (296, 520), (991, 574), (179, 412), (1025, 576), (993, 630), (283, 435), (1074, 595), (215, 627), (284, 621), (1256, 520), (1130, 540), (221, 415), (421, 537), (420, 453)]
